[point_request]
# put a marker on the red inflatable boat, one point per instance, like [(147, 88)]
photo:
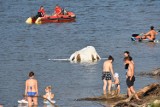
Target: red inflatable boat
[(68, 17)]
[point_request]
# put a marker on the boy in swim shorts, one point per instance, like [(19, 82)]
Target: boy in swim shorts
[(107, 74), (130, 78)]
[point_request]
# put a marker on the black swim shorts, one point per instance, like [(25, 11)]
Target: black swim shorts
[(130, 82), (106, 76)]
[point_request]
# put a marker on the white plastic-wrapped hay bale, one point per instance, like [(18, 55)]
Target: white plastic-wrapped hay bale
[(87, 54)]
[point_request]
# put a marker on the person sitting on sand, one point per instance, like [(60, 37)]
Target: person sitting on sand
[(151, 35), (107, 74), (31, 90), (116, 85), (48, 96), (130, 78)]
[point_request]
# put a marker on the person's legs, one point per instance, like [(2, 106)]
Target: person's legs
[(134, 92), (35, 101), (128, 82), (29, 101), (149, 37), (109, 86), (104, 86), (118, 89), (143, 37), (129, 92)]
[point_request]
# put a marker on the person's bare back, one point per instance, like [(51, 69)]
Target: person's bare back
[(31, 85), (130, 71), (31, 90), (107, 66), (107, 74), (151, 35)]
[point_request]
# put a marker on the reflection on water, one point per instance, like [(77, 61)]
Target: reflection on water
[(151, 44), (25, 105)]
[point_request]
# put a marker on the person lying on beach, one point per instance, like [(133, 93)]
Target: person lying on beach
[(49, 95), (116, 85)]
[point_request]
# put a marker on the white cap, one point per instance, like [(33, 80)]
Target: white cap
[(116, 75)]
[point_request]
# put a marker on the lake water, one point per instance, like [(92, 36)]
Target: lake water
[(105, 24)]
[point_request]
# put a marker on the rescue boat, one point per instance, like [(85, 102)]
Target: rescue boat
[(68, 17)]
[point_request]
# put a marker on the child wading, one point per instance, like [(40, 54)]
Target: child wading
[(49, 95), (116, 85)]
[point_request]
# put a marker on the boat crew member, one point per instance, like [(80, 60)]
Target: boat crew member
[(57, 10), (41, 12)]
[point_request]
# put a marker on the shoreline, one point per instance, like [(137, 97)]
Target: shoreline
[(150, 95)]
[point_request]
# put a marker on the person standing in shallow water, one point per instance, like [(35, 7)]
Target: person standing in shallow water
[(107, 74), (127, 54), (31, 90), (130, 78)]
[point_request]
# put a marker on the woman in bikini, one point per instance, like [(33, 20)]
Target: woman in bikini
[(31, 90)]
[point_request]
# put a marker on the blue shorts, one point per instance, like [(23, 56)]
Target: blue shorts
[(31, 94)]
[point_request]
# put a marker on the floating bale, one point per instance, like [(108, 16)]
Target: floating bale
[(87, 54), (29, 20)]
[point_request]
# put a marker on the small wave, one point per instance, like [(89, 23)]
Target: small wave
[(59, 59)]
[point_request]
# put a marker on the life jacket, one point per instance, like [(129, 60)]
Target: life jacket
[(42, 11), (58, 10)]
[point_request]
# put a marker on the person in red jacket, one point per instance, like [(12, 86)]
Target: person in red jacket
[(41, 12), (57, 10)]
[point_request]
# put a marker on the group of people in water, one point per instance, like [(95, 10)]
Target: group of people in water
[(108, 74), (31, 84), (31, 92), (57, 11)]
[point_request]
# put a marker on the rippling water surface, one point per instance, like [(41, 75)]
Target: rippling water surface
[(105, 24)]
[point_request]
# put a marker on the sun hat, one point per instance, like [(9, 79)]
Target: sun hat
[(116, 75)]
